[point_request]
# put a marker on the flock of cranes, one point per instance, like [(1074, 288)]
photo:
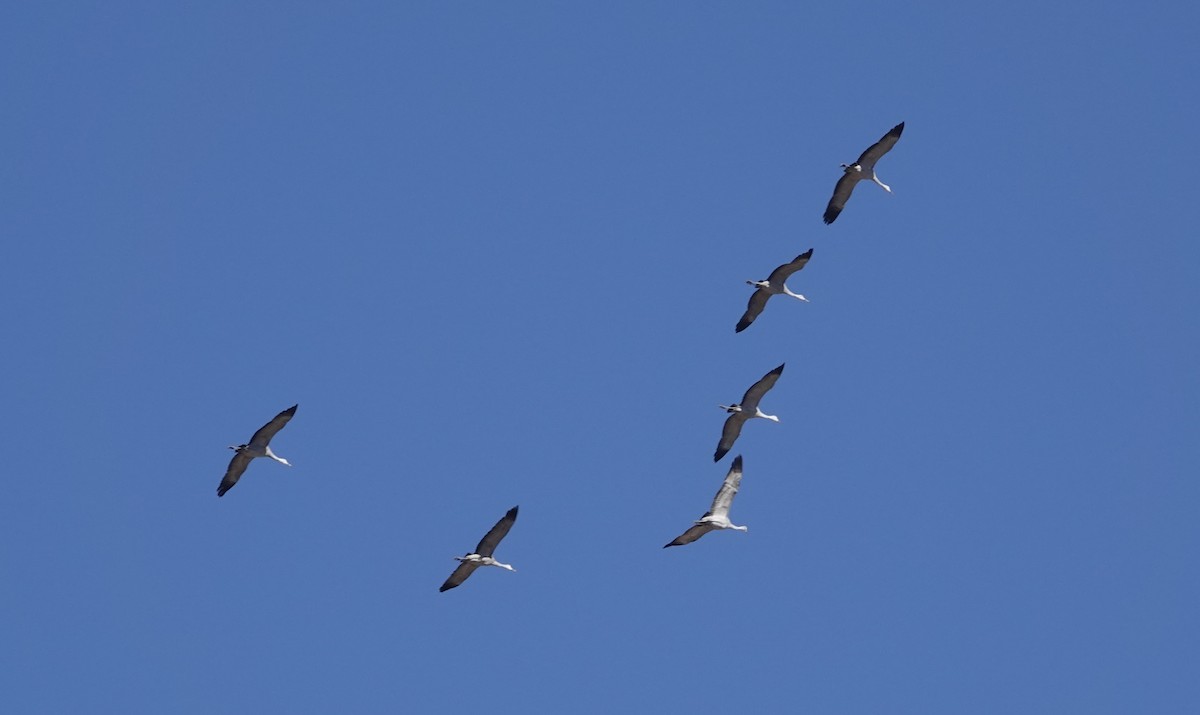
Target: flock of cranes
[(717, 517)]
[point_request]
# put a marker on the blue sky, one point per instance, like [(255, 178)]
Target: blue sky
[(496, 252)]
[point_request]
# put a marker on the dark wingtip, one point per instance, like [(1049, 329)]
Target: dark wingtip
[(898, 129), (806, 254), (742, 325), (718, 455), (670, 545), (221, 492), (737, 462), (445, 588), (830, 216), (779, 370), (512, 513)]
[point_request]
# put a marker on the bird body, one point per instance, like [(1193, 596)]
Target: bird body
[(483, 561), (253, 451), (717, 517), (864, 168), (258, 446), (774, 284), (745, 410)]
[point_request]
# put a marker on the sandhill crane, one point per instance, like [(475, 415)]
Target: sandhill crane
[(864, 168), (717, 516), (746, 409), (259, 446), (775, 284), (482, 555)]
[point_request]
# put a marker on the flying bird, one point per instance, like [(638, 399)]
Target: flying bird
[(482, 555), (775, 284), (747, 409), (862, 169), (259, 446), (717, 516)]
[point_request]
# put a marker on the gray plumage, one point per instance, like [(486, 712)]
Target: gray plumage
[(258, 446), (745, 410), (482, 555), (864, 168), (775, 284), (717, 517)]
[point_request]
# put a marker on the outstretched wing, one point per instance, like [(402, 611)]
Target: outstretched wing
[(758, 301), (757, 390), (690, 535), (729, 434), (462, 573), (724, 498), (841, 194), (879, 148), (498, 532), (237, 465), (782, 273), (263, 436)]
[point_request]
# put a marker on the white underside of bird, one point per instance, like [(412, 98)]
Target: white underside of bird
[(856, 169), (720, 522), (757, 412), (773, 289), (483, 561), (254, 453)]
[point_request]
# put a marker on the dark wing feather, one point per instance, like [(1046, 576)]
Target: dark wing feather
[(263, 436), (498, 532), (841, 194), (758, 301), (462, 573), (782, 273), (237, 465), (690, 535), (879, 148), (729, 434), (757, 390)]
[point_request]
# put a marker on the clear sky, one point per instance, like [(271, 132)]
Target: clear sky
[(496, 252)]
